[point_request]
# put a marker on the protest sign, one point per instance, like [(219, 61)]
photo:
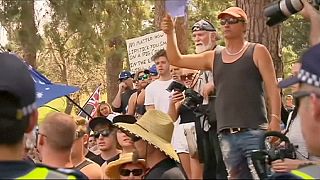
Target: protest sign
[(141, 49)]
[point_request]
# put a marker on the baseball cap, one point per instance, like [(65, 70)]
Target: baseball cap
[(99, 120), (203, 25), (125, 75), (310, 69), (152, 70), (19, 84), (235, 12)]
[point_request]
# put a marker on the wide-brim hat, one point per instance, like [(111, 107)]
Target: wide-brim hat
[(156, 128), (112, 169), (310, 69)]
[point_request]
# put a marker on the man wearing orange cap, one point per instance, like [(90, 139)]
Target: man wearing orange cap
[(239, 71)]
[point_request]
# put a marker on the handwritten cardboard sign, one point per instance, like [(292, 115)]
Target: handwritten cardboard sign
[(141, 49)]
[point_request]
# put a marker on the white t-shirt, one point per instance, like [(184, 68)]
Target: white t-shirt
[(295, 136), (157, 95)]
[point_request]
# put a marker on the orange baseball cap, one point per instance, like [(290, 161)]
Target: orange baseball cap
[(235, 12)]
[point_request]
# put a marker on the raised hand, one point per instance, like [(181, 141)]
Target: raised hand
[(167, 24)]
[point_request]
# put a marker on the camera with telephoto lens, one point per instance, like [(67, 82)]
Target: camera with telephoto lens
[(263, 157), (281, 10)]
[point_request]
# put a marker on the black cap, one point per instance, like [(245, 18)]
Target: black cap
[(203, 25), (125, 119), (99, 120), (16, 80)]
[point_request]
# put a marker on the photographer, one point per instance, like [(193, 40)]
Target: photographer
[(308, 98), (185, 136)]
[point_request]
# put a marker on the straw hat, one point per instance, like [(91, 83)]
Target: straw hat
[(156, 128), (112, 169)]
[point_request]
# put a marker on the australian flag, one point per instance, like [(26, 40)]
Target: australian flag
[(47, 91), (91, 106)]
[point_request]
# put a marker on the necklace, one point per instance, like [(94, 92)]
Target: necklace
[(234, 54)]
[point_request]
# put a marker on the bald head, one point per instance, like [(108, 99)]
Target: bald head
[(60, 130)]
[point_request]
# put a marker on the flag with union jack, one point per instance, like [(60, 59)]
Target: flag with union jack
[(91, 106)]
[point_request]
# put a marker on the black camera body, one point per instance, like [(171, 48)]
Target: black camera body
[(174, 85), (192, 98), (263, 157), (280, 11)]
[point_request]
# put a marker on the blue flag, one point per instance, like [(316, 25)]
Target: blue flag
[(47, 91)]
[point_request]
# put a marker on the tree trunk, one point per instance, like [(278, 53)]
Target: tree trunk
[(28, 37), (181, 25), (259, 32), (114, 63), (160, 7)]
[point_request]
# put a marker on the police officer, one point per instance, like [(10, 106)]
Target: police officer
[(18, 115)]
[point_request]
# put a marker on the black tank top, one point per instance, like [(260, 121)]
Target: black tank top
[(186, 115), (240, 96)]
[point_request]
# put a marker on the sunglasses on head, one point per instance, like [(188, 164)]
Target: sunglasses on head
[(104, 133), (231, 21), (127, 172), (143, 77), (185, 77), (203, 26), (301, 94)]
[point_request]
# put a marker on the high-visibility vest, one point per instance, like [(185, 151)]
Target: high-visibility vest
[(45, 173), (307, 172)]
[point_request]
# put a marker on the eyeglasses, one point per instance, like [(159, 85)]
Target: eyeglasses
[(127, 172), (79, 134), (231, 21), (301, 94), (143, 77), (104, 133), (37, 136), (185, 77)]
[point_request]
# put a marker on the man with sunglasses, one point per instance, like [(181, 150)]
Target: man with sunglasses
[(205, 37), (120, 102), (105, 135), (239, 71), (18, 115)]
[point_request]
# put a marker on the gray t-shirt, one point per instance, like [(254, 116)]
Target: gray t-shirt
[(166, 169)]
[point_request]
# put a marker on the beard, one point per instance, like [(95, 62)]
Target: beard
[(202, 48)]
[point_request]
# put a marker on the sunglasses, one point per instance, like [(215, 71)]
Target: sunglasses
[(143, 77), (127, 172), (185, 77), (301, 94), (104, 133), (79, 134), (134, 138), (231, 21)]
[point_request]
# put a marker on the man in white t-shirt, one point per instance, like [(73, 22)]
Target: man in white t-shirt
[(157, 97)]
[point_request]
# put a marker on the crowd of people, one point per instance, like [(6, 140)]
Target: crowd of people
[(197, 116)]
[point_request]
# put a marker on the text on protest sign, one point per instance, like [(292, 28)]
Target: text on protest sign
[(141, 49)]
